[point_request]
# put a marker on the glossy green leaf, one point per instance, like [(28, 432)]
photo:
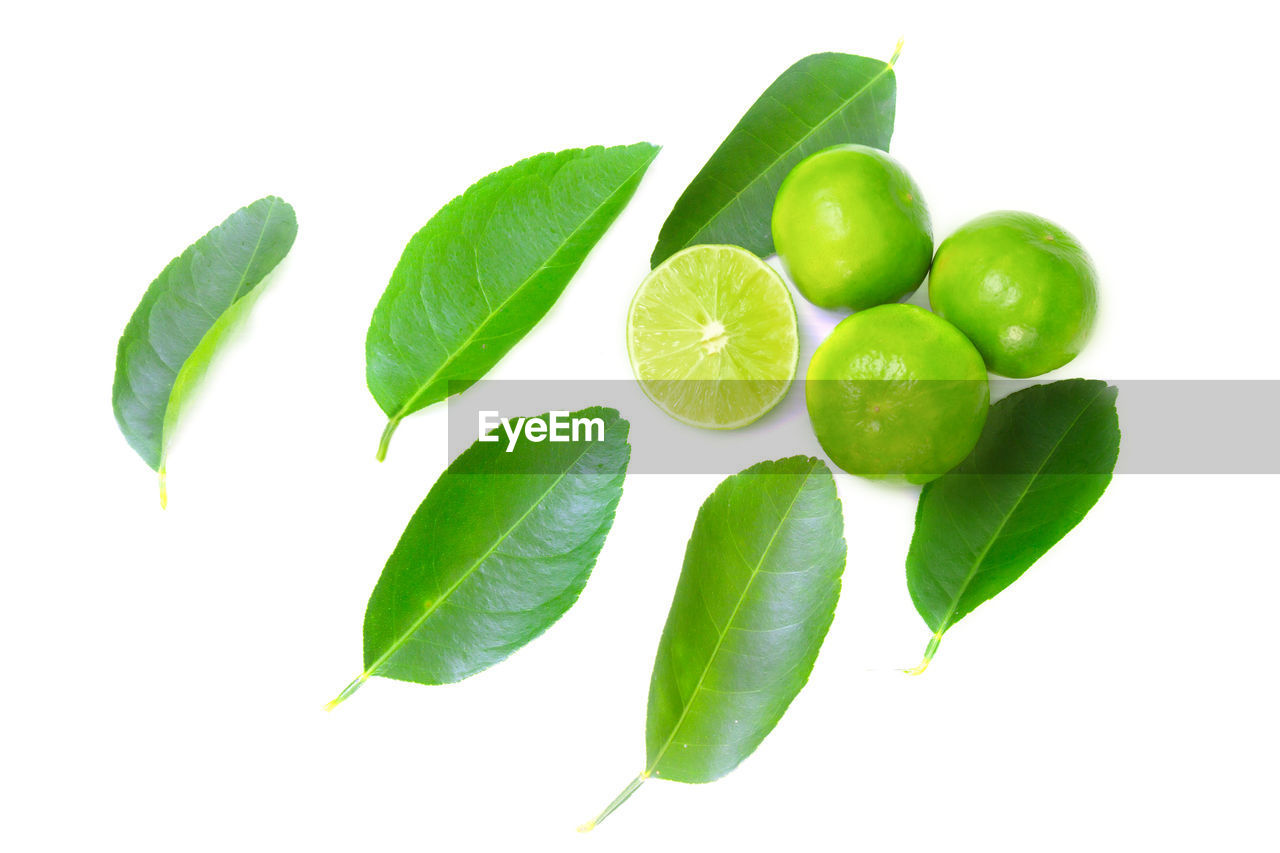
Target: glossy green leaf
[(185, 313), (1045, 457), (487, 267), (756, 595), (823, 100), (498, 551)]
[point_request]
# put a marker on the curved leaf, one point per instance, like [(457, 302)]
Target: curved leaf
[(497, 552), (176, 328), (823, 100), (756, 595), (1045, 457), (487, 267)]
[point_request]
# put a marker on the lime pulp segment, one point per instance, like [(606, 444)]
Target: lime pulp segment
[(713, 338)]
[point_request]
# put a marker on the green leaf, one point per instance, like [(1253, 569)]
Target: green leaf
[(823, 100), (756, 595), (1045, 457), (498, 551), (175, 330), (487, 267)]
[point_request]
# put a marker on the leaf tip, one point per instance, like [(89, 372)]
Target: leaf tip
[(164, 489), (897, 51), (587, 827)]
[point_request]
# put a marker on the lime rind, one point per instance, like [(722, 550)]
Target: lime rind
[(713, 338)]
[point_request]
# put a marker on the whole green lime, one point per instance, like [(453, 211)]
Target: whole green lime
[(1023, 289), (852, 228), (896, 392)]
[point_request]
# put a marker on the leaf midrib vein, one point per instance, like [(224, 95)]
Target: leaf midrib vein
[(175, 292), (995, 535), (732, 616), (549, 263), (373, 668), (235, 297), (807, 136)]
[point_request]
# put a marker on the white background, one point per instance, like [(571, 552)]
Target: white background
[(164, 672)]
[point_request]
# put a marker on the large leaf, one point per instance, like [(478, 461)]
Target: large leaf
[(497, 552), (176, 328), (1045, 457), (823, 100), (487, 267), (756, 595)]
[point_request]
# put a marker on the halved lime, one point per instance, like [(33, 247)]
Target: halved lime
[(713, 338)]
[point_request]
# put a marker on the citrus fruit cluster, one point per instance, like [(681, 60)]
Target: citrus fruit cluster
[(895, 391)]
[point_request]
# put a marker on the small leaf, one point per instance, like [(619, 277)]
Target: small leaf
[(175, 330), (487, 267), (1045, 457), (756, 595), (823, 100), (498, 551)]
